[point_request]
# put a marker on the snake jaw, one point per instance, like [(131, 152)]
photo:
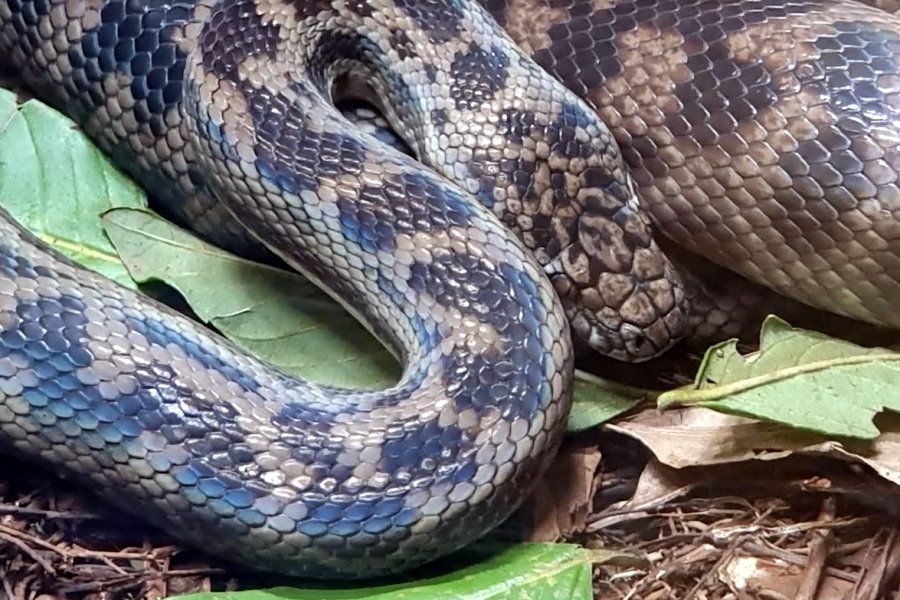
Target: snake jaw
[(629, 341), (622, 295), (620, 316)]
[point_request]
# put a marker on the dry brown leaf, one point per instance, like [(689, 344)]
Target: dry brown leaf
[(882, 453), (188, 584), (747, 576), (562, 500), (880, 563), (660, 483), (697, 436), (693, 436), (657, 485)]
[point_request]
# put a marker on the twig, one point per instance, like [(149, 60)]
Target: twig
[(21, 545), (137, 578), (893, 559), (757, 549), (728, 553), (875, 576), (846, 548), (818, 552), (726, 556), (101, 556), (113, 583), (75, 551), (20, 511), (867, 559), (785, 530), (7, 589), (21, 535)]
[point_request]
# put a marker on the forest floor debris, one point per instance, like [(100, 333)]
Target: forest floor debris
[(741, 530)]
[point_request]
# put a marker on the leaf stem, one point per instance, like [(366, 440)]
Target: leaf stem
[(693, 395)]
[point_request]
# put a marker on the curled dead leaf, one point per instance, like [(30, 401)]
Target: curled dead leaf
[(562, 500)]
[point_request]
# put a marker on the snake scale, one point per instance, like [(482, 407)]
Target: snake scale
[(761, 134)]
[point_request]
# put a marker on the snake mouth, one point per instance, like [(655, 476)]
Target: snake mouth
[(623, 296), (632, 316), (628, 343)]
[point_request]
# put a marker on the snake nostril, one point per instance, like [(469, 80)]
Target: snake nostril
[(641, 344)]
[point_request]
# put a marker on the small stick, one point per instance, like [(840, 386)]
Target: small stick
[(29, 551), (7, 589), (795, 559), (11, 532), (877, 574), (20, 511), (818, 552)]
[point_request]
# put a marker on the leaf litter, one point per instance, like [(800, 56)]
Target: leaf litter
[(687, 502)]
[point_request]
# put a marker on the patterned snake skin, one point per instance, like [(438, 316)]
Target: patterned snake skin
[(225, 452), (761, 134)]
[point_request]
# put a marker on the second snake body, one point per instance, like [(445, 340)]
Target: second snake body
[(763, 135)]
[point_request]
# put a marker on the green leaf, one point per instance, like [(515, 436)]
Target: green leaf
[(278, 315), (599, 400), (799, 378), (55, 183), (522, 572), (53, 180)]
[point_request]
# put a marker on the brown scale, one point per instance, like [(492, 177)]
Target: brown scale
[(763, 136)]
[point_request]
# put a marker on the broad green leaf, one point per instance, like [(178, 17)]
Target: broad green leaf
[(522, 572), (278, 315), (599, 400), (800, 378), (55, 183)]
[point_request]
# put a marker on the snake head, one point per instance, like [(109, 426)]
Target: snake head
[(622, 295), (564, 189), (493, 122)]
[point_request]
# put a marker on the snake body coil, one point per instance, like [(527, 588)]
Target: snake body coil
[(730, 114), (224, 451)]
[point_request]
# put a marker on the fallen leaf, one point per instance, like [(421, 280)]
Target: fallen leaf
[(761, 577), (657, 486), (283, 318), (55, 183), (882, 453), (599, 400), (699, 436), (278, 315), (660, 484), (182, 584), (563, 498), (525, 571), (800, 378), (879, 561), (690, 437)]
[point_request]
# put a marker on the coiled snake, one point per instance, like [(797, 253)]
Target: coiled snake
[(760, 133)]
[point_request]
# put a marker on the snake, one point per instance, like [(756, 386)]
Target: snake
[(559, 155)]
